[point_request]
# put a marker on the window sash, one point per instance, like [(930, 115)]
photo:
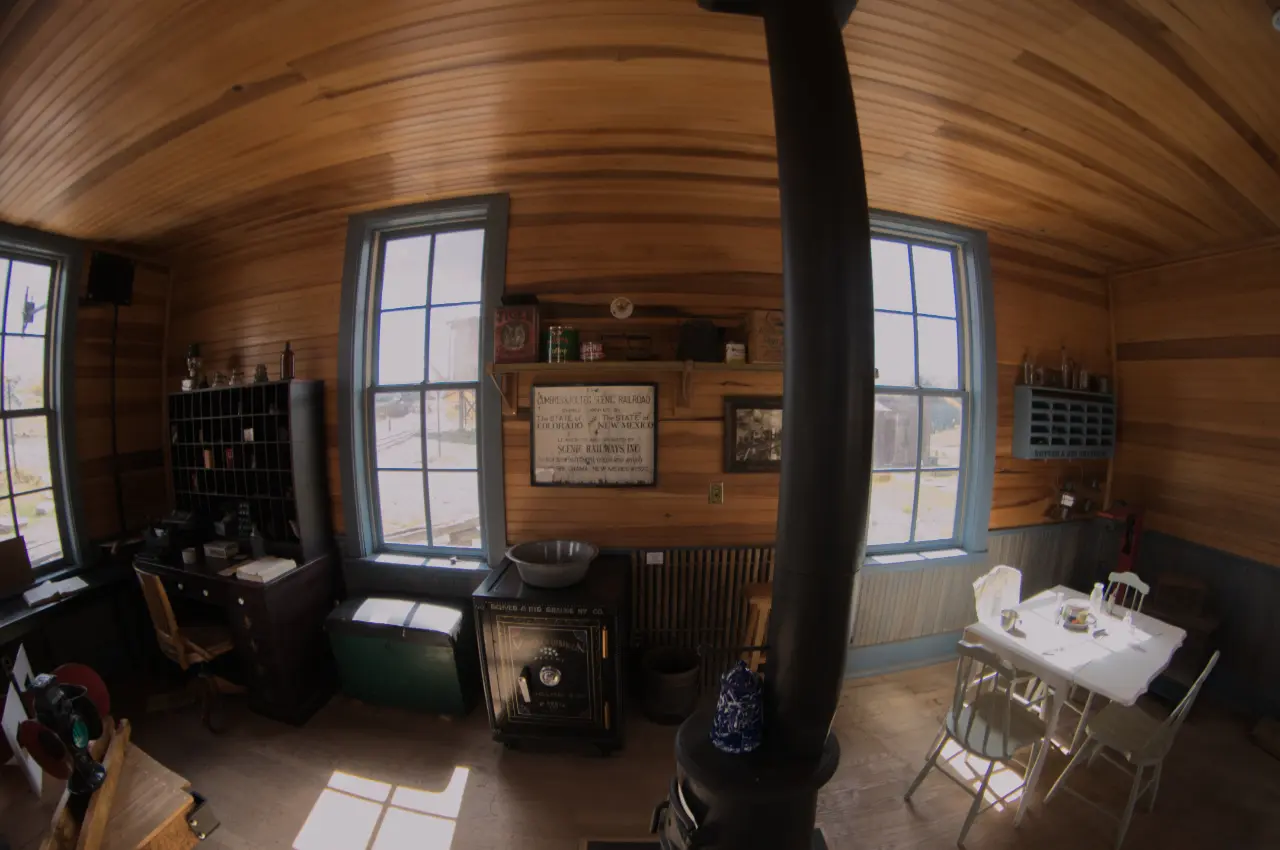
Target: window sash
[(374, 387), (44, 411), (962, 392)]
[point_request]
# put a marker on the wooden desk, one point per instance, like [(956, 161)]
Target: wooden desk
[(278, 628)]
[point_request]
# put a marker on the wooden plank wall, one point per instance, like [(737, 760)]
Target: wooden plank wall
[(1198, 346), (244, 297), (139, 406)]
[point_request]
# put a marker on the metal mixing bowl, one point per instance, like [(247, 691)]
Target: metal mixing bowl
[(553, 563)]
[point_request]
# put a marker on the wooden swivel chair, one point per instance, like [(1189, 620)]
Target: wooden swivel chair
[(190, 647)]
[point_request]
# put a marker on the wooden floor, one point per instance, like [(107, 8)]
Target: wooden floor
[(274, 786)]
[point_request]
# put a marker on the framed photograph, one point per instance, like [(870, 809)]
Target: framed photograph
[(593, 435), (753, 433)]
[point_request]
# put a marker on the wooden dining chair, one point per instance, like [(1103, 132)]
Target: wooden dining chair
[(986, 719), (1140, 739), (1126, 590), (190, 647), (1123, 591)]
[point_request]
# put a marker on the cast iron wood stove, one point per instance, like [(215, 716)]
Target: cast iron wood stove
[(768, 799), (553, 658)]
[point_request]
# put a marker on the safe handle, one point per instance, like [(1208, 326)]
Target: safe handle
[(522, 684)]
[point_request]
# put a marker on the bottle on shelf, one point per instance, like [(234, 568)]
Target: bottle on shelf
[(286, 363)]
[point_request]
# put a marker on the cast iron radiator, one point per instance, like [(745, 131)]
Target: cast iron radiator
[(694, 599)]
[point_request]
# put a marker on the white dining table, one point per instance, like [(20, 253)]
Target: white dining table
[(1110, 659)]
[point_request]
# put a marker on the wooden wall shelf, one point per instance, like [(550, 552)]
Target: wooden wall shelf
[(507, 375)]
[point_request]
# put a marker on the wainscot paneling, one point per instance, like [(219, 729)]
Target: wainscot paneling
[(140, 424), (695, 597), (900, 602), (1198, 350), (1246, 595)]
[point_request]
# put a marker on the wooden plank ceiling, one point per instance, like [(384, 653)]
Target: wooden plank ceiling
[(1101, 132)]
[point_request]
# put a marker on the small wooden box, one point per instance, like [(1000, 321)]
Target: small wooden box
[(764, 336), (515, 334)]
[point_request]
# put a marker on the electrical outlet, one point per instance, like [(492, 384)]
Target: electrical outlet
[(715, 494)]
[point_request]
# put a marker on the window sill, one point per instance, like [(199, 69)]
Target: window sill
[(888, 562), (401, 559), (400, 574)]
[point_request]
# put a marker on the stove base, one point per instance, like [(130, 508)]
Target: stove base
[(741, 802)]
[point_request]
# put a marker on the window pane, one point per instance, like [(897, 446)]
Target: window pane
[(891, 496), (23, 373), (944, 420), (4, 465), (890, 275), (936, 518), (404, 513), (455, 508), (897, 431), (935, 280), (451, 430), (401, 343), (939, 354), (397, 418), (29, 446), (895, 350), (459, 260), (7, 529), (455, 343), (38, 524), (404, 272), (28, 298)]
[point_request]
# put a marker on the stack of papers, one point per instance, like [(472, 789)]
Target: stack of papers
[(265, 569), (51, 590)]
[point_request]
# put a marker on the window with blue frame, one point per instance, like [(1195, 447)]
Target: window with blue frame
[(422, 441), (927, 326), (423, 404)]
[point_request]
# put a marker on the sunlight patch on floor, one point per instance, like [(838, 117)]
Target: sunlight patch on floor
[(969, 769), (357, 813)]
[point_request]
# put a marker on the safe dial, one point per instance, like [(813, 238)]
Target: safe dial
[(549, 676)]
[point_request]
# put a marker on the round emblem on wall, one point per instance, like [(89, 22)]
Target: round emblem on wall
[(622, 308)]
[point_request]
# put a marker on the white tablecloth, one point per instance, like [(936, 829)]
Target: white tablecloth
[(1117, 663)]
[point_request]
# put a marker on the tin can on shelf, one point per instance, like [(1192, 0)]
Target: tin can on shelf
[(562, 344), (592, 351)]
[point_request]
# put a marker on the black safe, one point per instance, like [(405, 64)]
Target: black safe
[(553, 659)]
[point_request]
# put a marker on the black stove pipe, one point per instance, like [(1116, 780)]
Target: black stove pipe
[(767, 800), (829, 371)]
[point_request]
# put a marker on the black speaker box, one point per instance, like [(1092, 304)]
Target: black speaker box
[(110, 279)]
